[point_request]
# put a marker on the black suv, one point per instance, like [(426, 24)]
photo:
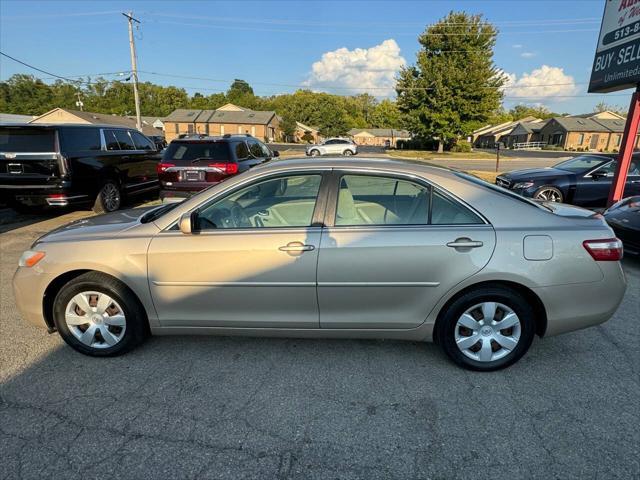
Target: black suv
[(60, 165), (193, 163)]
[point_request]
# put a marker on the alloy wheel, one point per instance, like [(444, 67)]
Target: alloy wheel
[(549, 195), (110, 197), (95, 319), (487, 331)]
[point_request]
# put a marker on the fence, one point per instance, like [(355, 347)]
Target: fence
[(529, 145)]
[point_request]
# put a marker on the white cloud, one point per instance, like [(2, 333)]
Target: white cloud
[(527, 54), (545, 82), (354, 71), (517, 45)]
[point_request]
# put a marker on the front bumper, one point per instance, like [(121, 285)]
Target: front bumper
[(29, 287)]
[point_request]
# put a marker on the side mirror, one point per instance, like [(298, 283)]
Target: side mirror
[(185, 223), (276, 153)]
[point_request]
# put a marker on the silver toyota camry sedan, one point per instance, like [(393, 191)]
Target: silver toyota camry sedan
[(366, 248)]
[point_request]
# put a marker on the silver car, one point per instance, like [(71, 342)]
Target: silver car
[(333, 146), (330, 248)]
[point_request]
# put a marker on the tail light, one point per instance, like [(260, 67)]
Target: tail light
[(606, 250), (226, 168), (161, 167)]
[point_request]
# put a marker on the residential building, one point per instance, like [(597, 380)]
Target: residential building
[(13, 118), (584, 133), (65, 115), (524, 132), (380, 137), (302, 130), (229, 118), (155, 122), (487, 137)]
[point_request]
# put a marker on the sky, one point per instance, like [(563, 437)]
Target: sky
[(345, 47)]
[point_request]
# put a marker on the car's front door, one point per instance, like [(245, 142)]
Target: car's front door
[(250, 263), (392, 249)]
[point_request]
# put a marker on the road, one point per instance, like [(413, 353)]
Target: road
[(207, 407)]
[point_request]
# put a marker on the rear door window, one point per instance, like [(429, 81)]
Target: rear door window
[(445, 211), (255, 149), (111, 141), (27, 140), (80, 139), (242, 151), (189, 151), (124, 140)]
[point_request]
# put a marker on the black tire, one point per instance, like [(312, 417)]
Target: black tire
[(109, 198), (549, 190), (347, 153), (315, 153), (446, 327), (136, 330)]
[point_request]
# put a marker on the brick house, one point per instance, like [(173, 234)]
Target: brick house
[(488, 136), (229, 118), (584, 133), (302, 130), (379, 137), (524, 132)]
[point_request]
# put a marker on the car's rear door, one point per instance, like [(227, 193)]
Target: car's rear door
[(392, 247), (146, 159), (252, 262)]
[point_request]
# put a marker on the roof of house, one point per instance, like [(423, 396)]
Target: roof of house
[(616, 126), (102, 119), (14, 118), (149, 120), (380, 132), (304, 127), (248, 117), (581, 124), (528, 127), (502, 127)]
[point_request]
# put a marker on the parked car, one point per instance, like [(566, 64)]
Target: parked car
[(330, 248), (193, 163), (624, 218), (333, 146), (159, 141), (584, 180), (60, 165)]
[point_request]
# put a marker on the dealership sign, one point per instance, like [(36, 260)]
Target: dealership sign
[(617, 62)]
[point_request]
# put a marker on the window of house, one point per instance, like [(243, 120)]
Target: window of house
[(253, 131), (190, 128), (176, 126), (239, 128), (581, 139), (618, 140), (221, 129)]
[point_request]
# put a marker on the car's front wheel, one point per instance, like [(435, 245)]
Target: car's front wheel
[(487, 329), (314, 153), (549, 194), (97, 315)]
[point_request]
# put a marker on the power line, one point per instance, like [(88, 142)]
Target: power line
[(43, 71), (59, 15)]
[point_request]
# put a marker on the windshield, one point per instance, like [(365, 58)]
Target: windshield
[(218, 151), (27, 140), (581, 163), (503, 191)]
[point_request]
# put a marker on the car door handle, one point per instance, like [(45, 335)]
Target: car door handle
[(635, 181), (296, 247), (464, 243)]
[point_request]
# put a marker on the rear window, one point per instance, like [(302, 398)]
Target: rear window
[(190, 151), (80, 139), (27, 140), (503, 191)]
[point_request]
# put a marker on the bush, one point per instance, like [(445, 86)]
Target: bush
[(461, 146), (417, 144), (552, 147)]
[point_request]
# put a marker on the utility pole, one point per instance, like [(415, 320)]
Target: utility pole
[(134, 68), (79, 103)]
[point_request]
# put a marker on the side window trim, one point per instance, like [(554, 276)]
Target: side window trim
[(333, 193)]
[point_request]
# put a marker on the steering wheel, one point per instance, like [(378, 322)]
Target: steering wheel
[(238, 216)]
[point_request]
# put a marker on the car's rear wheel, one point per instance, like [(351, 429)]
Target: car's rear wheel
[(549, 194), (487, 328), (315, 153), (98, 316), (109, 198)]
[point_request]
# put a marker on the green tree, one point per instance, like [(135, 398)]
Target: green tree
[(454, 87), (605, 107), (537, 111), (288, 126), (385, 115)]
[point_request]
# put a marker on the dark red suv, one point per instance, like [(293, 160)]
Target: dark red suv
[(194, 163)]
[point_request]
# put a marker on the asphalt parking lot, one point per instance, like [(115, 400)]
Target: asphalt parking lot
[(208, 407)]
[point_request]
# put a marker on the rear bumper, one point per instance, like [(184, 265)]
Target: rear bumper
[(59, 195), (182, 189), (581, 305)]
